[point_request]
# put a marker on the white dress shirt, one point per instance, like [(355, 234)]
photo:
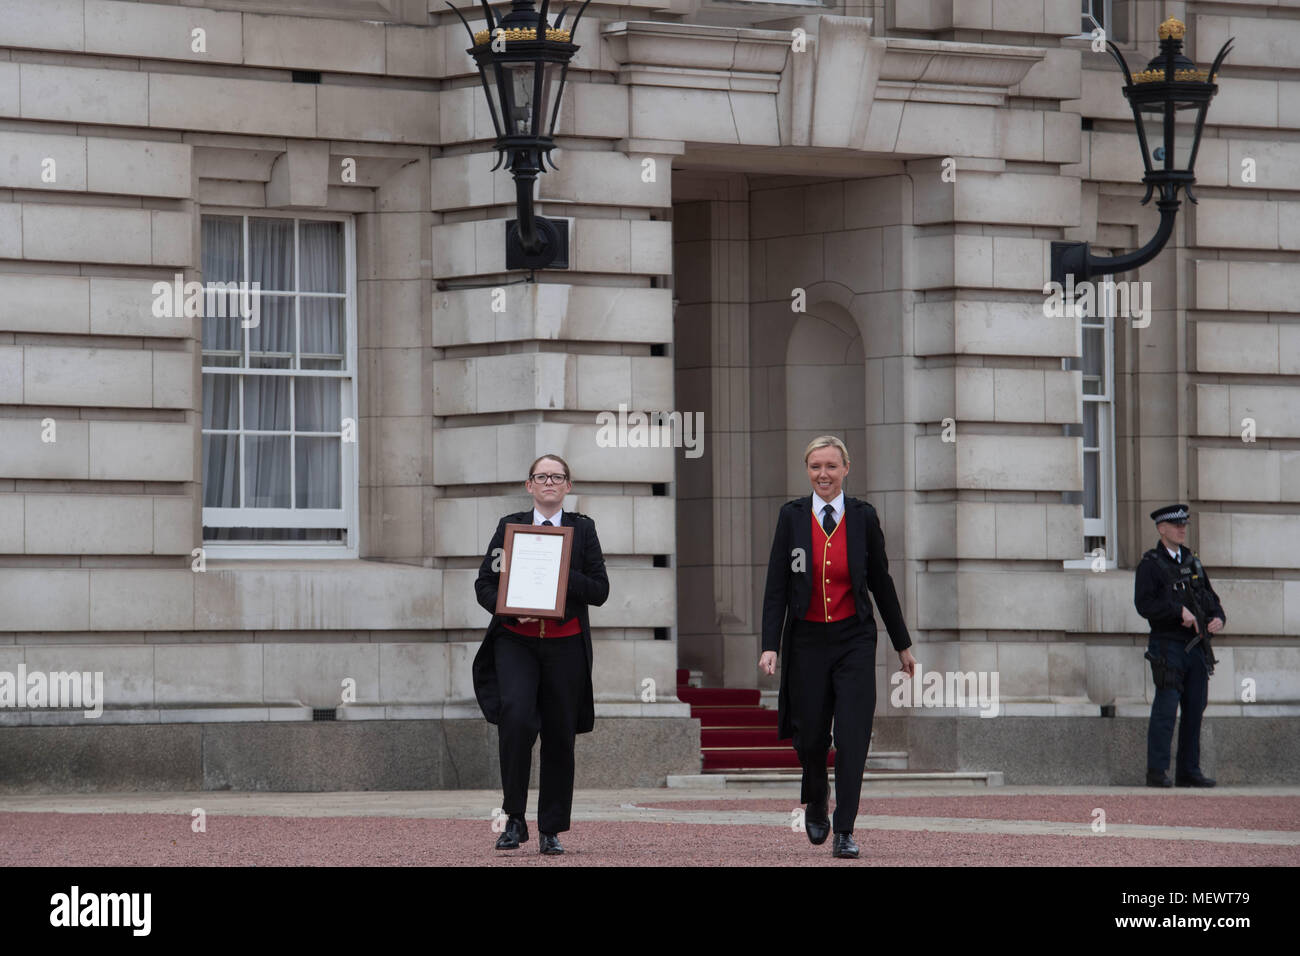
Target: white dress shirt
[(837, 506), (554, 519)]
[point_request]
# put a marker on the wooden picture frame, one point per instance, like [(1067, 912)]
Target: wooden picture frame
[(533, 561)]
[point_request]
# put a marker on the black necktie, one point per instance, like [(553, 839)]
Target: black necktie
[(548, 524), (828, 519)]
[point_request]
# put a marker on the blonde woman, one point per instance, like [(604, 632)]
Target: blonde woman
[(828, 550)]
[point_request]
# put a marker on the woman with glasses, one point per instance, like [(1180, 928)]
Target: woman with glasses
[(534, 676)]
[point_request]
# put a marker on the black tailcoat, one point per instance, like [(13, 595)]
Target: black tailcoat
[(789, 592), (588, 585)]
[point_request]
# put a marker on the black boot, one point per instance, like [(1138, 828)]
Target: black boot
[(1157, 778)]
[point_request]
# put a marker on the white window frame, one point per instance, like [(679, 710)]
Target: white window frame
[(346, 515), (1088, 10), (1104, 525)]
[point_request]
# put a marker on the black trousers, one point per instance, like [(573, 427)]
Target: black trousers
[(1188, 668), (543, 681), (833, 677)]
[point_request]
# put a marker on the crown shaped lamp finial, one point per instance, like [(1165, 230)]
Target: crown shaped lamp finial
[(1173, 28)]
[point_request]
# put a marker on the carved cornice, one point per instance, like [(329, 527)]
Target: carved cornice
[(695, 47), (384, 11), (654, 53), (952, 63), (388, 11), (824, 85)]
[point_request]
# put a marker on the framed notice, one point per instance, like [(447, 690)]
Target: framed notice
[(535, 571)]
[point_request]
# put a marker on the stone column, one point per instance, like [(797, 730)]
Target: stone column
[(522, 369), (711, 285)]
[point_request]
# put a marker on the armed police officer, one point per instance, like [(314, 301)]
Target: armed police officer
[(1172, 591)]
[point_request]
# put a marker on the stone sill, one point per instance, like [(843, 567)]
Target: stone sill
[(1004, 709), (238, 565), (157, 715), (638, 709), (273, 713), (470, 711), (1221, 710)]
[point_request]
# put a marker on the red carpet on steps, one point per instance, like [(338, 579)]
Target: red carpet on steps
[(735, 732)]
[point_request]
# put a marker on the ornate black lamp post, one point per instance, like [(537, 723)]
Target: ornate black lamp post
[(1171, 82), (523, 61)]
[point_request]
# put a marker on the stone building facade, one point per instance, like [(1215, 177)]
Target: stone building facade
[(793, 218)]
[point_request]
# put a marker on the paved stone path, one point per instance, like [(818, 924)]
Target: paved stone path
[(1052, 826)]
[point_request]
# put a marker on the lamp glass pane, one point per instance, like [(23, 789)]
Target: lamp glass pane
[(1195, 130), (486, 74), (1184, 133), (548, 90), (517, 106)]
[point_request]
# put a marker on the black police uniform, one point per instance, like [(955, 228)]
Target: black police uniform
[(1181, 675)]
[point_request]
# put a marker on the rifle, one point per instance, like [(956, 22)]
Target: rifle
[(1188, 587)]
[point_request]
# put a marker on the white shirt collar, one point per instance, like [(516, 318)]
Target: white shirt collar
[(819, 506), (1176, 555), (555, 519)]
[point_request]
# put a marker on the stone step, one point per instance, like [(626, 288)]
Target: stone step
[(783, 758), (887, 760), (766, 779)]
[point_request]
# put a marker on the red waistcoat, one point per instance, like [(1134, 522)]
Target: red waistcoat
[(832, 593), (545, 628)]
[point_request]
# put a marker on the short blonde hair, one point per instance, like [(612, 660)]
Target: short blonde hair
[(826, 441)]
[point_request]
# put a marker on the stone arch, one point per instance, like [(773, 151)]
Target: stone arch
[(825, 383)]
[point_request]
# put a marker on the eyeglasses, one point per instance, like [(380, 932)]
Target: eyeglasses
[(544, 479)]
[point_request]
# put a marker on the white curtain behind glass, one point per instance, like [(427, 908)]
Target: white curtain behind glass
[(273, 344), (270, 345), (317, 405), (222, 262)]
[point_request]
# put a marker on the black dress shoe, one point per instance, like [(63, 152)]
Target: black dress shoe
[(817, 823), (844, 847), (515, 833), (1157, 778), (550, 845), (1197, 779)]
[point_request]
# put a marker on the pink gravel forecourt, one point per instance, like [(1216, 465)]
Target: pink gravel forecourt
[(157, 840), (269, 859), (1053, 827), (165, 840), (1246, 813)]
